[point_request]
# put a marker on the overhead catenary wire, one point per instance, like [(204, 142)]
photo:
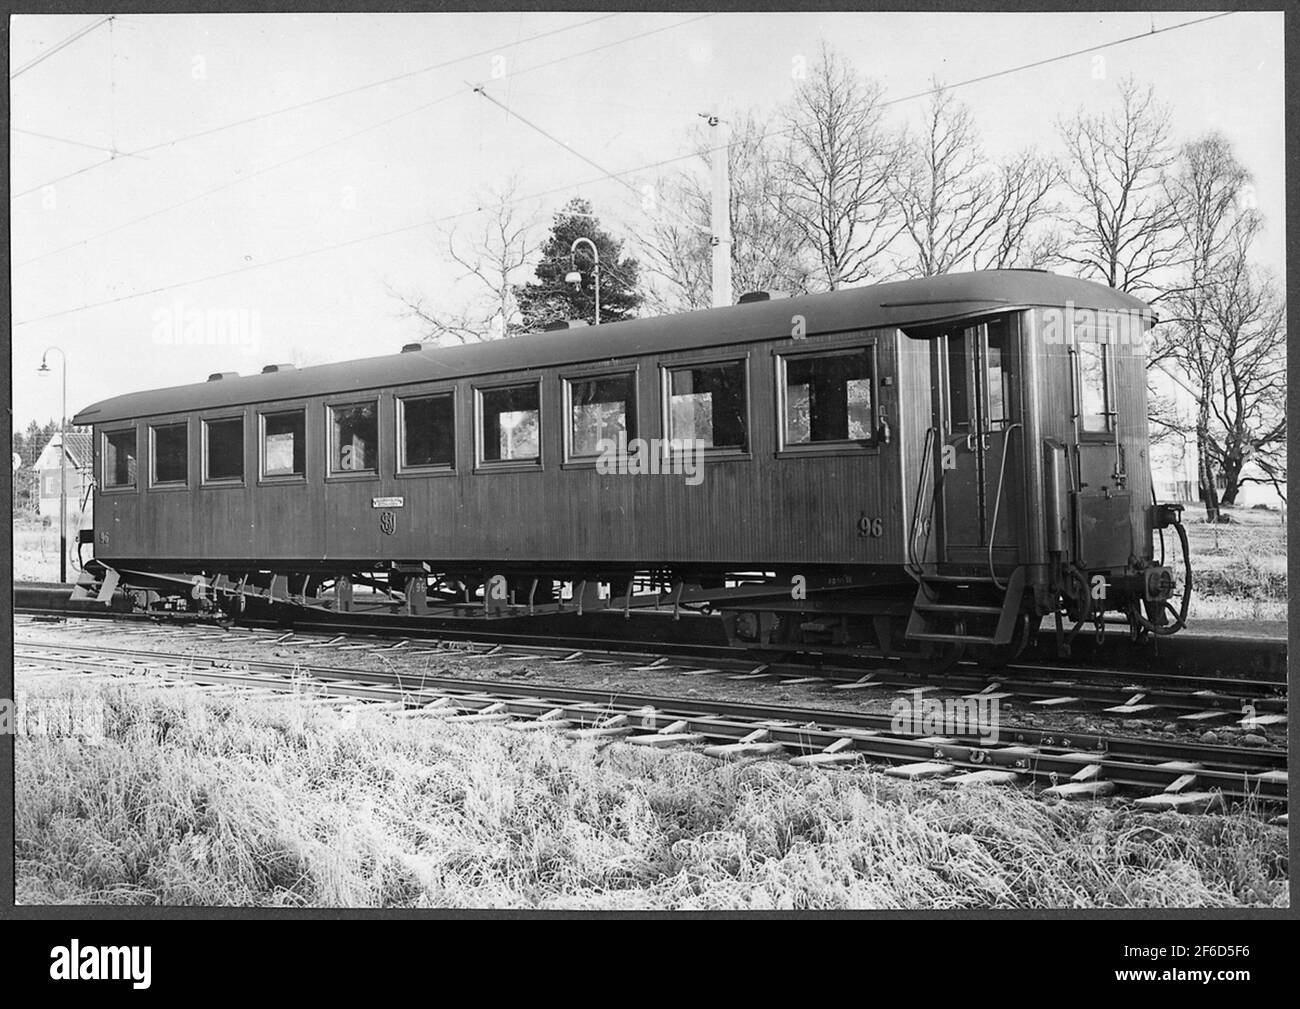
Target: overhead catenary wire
[(558, 189), (297, 106), (467, 89), (60, 46)]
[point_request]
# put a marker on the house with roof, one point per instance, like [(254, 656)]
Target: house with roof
[(80, 470)]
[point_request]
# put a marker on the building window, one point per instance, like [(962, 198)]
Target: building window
[(223, 450), (510, 424), (284, 443), (428, 431), (708, 403), (828, 397), (354, 438), (119, 459), (1094, 387), (171, 455), (600, 410)]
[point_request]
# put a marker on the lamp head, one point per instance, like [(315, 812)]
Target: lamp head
[(573, 277)]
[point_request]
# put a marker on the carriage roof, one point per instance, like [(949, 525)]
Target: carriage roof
[(902, 304)]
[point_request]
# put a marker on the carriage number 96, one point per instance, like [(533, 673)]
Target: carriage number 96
[(868, 526)]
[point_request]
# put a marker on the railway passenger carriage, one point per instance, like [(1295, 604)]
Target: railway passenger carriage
[(922, 465)]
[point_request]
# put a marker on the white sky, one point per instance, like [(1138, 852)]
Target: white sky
[(157, 77)]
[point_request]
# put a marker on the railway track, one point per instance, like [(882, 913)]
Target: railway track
[(1191, 702), (1153, 774)]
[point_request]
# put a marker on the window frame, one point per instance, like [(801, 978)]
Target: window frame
[(1109, 411), (349, 475), (631, 371), (720, 453), (125, 488), (290, 406), (204, 479), (168, 485), (840, 446), (400, 469), (483, 465)]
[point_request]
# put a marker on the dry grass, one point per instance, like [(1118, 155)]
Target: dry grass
[(1238, 567), (187, 799)]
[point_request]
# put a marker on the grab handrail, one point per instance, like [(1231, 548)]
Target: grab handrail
[(997, 501), (926, 452)]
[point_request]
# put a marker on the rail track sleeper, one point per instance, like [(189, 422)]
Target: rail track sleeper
[(611, 732), (1182, 802), (1252, 721), (1204, 716), (658, 739), (1131, 709), (742, 750), (985, 776), (1181, 784), (1095, 789), (1055, 702), (824, 758), (920, 769)]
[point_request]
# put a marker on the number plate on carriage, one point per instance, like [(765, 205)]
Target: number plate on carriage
[(387, 502)]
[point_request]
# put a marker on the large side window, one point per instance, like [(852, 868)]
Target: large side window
[(829, 397), (354, 438), (1094, 387), (119, 458), (510, 424), (428, 431), (223, 450), (171, 455), (600, 410), (284, 443), (709, 403)]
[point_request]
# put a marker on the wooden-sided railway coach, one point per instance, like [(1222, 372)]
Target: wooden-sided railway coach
[(915, 466)]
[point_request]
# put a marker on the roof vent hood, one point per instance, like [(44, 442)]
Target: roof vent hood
[(411, 348), (552, 327), (217, 376), (751, 296), (271, 369)]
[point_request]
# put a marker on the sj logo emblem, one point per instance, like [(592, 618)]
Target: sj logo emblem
[(387, 523)]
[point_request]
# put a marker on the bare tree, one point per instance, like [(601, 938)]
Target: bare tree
[(959, 213), (490, 253), (767, 253), (1243, 380), (837, 165), (1226, 331), (1121, 228)]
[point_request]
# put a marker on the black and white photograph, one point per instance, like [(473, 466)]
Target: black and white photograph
[(599, 461)]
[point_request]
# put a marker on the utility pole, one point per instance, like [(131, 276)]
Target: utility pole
[(720, 224)]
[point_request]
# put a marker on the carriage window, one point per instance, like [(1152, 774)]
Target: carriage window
[(958, 380), (600, 410), (284, 443), (510, 424), (354, 438), (1094, 365), (707, 402), (223, 449), (170, 454), (428, 431), (119, 459), (999, 378), (828, 398)]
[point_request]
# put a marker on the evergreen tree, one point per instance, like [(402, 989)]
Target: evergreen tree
[(550, 299)]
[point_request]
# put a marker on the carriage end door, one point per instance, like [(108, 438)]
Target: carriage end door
[(973, 403)]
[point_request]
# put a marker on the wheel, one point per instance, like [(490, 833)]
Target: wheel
[(998, 656), (937, 656)]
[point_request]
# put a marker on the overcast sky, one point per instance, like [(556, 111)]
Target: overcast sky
[(624, 90)]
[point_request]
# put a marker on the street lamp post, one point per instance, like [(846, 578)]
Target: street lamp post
[(63, 461), (575, 278)]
